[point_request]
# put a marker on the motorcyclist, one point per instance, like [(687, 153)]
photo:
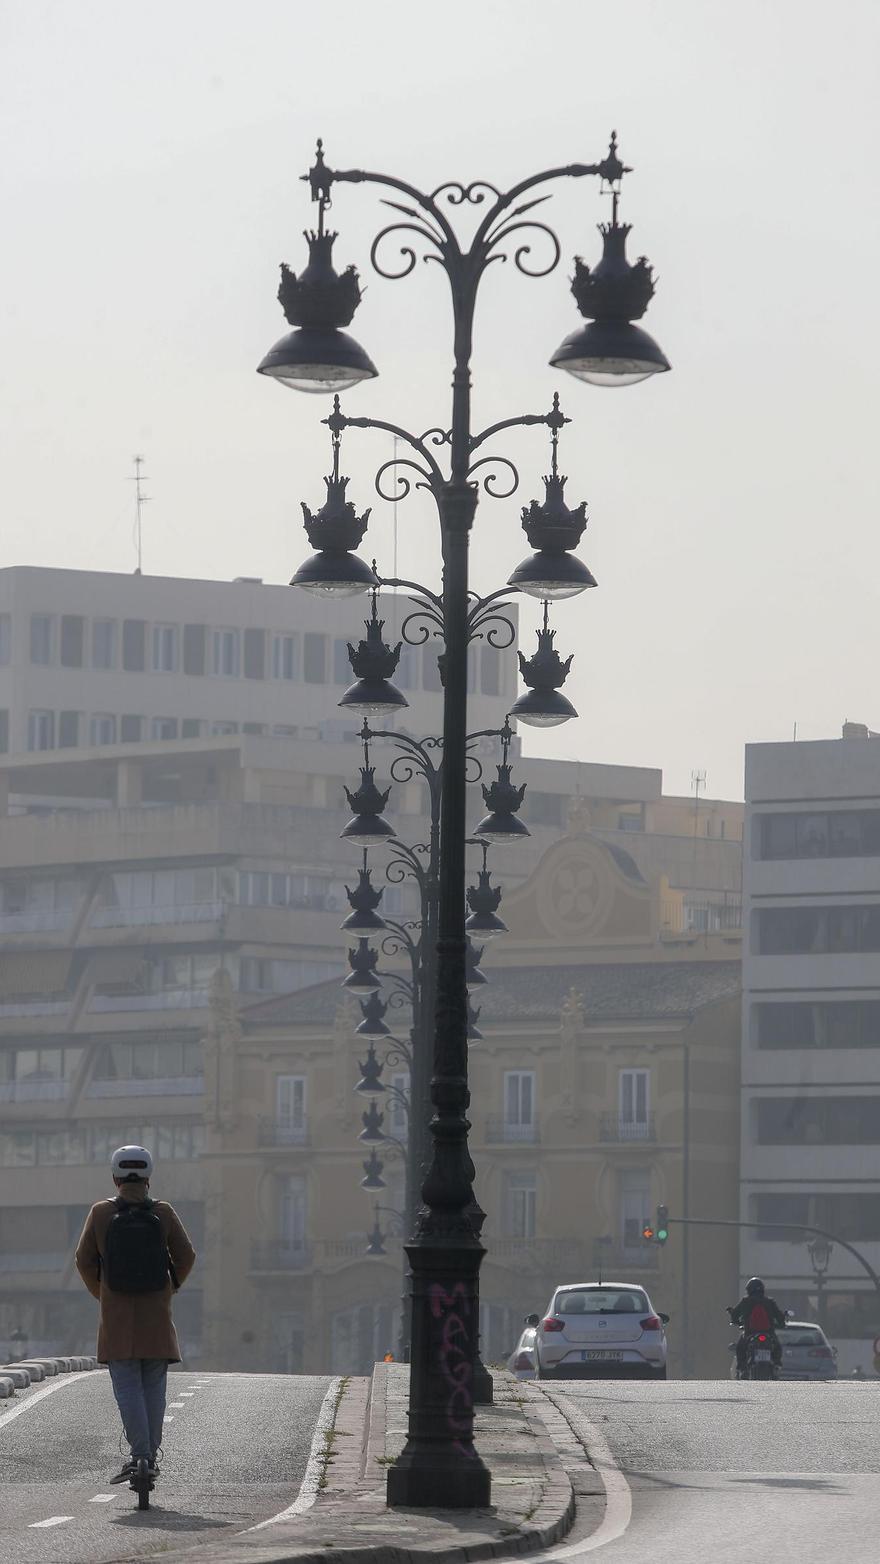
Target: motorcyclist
[(756, 1312)]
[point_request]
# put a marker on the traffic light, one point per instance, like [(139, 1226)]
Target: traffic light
[(647, 1232), (662, 1224)]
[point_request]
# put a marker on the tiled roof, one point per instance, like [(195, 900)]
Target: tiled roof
[(610, 991)]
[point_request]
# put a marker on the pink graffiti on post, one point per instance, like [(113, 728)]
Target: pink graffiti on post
[(454, 1358)]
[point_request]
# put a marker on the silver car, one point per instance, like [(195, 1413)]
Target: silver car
[(522, 1359), (806, 1352), (600, 1329)]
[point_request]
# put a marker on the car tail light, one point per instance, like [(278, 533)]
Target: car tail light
[(552, 1325), (819, 1352), (651, 1323), (762, 1339), (523, 1361)]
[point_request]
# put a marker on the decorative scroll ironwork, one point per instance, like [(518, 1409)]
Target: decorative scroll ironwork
[(410, 258), (457, 193), (491, 479)]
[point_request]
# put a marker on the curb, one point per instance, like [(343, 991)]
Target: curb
[(7, 1388), (30, 1371)]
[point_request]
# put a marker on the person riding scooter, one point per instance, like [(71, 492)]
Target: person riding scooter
[(754, 1313)]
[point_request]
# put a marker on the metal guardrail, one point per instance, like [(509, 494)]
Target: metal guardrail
[(280, 1254), (501, 1132), (280, 1132), (612, 1127)]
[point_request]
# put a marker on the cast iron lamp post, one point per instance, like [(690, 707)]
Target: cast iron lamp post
[(440, 1465)]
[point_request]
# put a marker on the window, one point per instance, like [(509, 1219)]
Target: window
[(223, 729), (164, 728), (134, 633), (521, 1202), (103, 643), (292, 1212), (290, 1108), (840, 1023), (284, 659), (255, 654), (519, 1104), (168, 1059), (635, 1204), (72, 640), (102, 729), (852, 1216), (164, 648), (5, 638), (490, 671), (837, 833), (42, 637), (818, 930), (194, 648), (68, 729), (41, 729), (226, 653), (430, 670), (633, 1121), (817, 1121), (254, 728), (314, 657), (131, 729), (342, 670), (191, 728)]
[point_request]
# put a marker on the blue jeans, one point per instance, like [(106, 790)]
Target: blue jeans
[(139, 1385)]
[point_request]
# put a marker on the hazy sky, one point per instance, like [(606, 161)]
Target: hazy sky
[(149, 189)]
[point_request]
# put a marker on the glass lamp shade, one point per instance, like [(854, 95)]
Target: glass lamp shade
[(373, 1179), (367, 831), (548, 575), (363, 921), (375, 1243), (501, 827), (318, 359), (484, 925), (373, 696), (340, 574), (610, 353), (361, 982), (542, 708)]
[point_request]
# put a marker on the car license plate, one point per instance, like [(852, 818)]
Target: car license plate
[(612, 1356), (762, 1357)]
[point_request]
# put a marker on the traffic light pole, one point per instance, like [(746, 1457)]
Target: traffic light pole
[(783, 1227)]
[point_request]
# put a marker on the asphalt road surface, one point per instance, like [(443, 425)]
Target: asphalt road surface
[(730, 1472), (235, 1451)]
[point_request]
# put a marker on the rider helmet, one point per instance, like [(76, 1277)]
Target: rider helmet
[(131, 1164), (755, 1287)]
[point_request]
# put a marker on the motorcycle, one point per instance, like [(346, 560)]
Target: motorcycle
[(760, 1356)]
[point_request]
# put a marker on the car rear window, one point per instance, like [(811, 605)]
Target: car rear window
[(600, 1300), (801, 1336)]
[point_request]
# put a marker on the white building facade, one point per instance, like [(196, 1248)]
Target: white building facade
[(811, 1028)]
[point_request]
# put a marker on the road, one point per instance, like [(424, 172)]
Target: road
[(235, 1451), (735, 1472)]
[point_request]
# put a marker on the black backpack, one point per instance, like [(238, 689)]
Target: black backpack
[(136, 1255)]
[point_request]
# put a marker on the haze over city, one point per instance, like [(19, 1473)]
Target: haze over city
[(150, 183)]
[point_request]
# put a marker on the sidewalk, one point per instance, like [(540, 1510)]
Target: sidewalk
[(537, 1467)]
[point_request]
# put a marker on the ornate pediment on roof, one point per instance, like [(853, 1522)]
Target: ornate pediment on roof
[(580, 892)]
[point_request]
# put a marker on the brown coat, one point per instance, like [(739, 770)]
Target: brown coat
[(133, 1325)]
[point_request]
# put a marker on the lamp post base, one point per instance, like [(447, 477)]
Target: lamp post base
[(439, 1468), (484, 1386)]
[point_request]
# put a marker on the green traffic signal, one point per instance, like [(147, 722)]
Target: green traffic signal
[(662, 1228)]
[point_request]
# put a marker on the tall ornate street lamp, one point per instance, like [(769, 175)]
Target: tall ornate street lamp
[(440, 1465)]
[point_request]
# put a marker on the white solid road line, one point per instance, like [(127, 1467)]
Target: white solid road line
[(618, 1495), (54, 1520), (37, 1395), (308, 1491)]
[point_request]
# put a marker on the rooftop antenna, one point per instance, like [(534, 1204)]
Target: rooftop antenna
[(141, 500), (698, 780)]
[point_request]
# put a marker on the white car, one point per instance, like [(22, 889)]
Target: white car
[(522, 1359), (600, 1329)]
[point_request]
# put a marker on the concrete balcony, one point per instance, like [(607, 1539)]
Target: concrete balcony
[(620, 1131), (810, 973), (34, 1091), (281, 1132), (501, 1132), (168, 999), (789, 1259), (811, 1165), (35, 922), (150, 917), (280, 1255)]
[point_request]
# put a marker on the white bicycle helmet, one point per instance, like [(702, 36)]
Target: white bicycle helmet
[(131, 1163)]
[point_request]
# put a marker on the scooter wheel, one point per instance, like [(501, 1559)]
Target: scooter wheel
[(144, 1483)]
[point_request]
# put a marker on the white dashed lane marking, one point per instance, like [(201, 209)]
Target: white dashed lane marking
[(54, 1520), (176, 1404), (188, 1393), (103, 1498)]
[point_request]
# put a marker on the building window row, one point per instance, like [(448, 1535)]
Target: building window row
[(308, 656), (817, 1121), (854, 1217), (838, 1023), (828, 833), (26, 1066), (267, 975), (75, 1145), (165, 1059), (818, 930)]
